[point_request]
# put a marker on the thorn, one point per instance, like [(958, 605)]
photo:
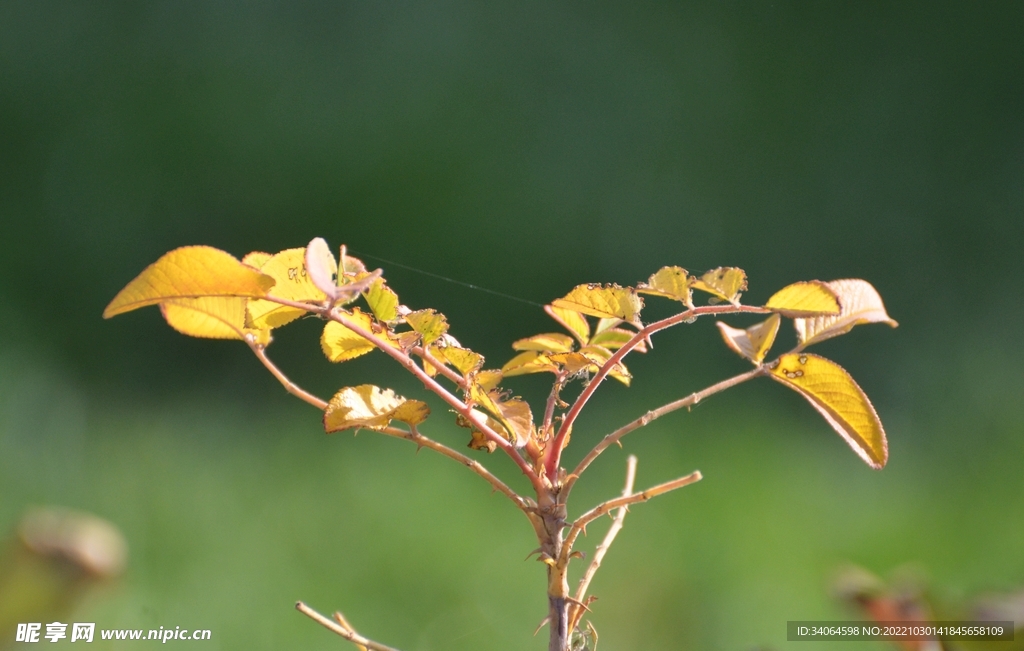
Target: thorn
[(536, 551), (578, 554), (541, 625), (618, 442)]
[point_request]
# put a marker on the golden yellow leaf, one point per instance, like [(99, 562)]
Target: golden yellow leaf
[(609, 301), (368, 406), (190, 272), (517, 418), (831, 390), (477, 420), (382, 300), (670, 282), (341, 344), (572, 321), (724, 282), (211, 317), (754, 342), (804, 299), (549, 342), (859, 303), (599, 355), (492, 401), (429, 323), (530, 361), (292, 282)]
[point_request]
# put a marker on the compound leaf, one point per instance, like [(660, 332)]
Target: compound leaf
[(341, 344), (190, 272), (607, 301), (670, 282), (804, 299), (549, 342), (368, 406), (859, 303), (831, 390), (754, 342), (724, 282)]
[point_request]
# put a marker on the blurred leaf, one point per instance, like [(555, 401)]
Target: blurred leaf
[(341, 344), (463, 359), (608, 301), (382, 300), (615, 338), (859, 303), (670, 282), (804, 299), (487, 379), (371, 407), (428, 323), (478, 440), (600, 355), (322, 267), (572, 321), (754, 342), (256, 259), (724, 282), (574, 362), (190, 272), (831, 390), (518, 419), (288, 269), (549, 342)]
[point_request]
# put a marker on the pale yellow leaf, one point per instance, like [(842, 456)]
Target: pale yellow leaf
[(464, 360), (530, 361), (341, 344), (368, 406), (804, 299), (256, 259), (517, 418), (549, 342), (288, 269), (607, 301), (321, 266), (754, 342), (831, 390), (724, 282), (600, 355), (574, 362), (858, 303), (572, 321), (190, 272), (615, 338), (429, 323), (670, 282), (382, 300), (487, 379)]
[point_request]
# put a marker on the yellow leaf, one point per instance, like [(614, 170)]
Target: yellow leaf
[(288, 269), (831, 390), (487, 379), (670, 282), (724, 282), (549, 342), (804, 299), (491, 401), (190, 272), (574, 362), (211, 317), (256, 259), (383, 302), (608, 301), (477, 420), (615, 338), (858, 303), (530, 361), (754, 342), (368, 406), (428, 323), (517, 418), (600, 355), (572, 321), (464, 360), (341, 344)]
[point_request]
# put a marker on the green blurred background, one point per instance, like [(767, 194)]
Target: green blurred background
[(523, 147)]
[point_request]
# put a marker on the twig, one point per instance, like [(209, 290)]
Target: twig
[(555, 451), (577, 610), (688, 401), (619, 502), (344, 631), (549, 408), (289, 386)]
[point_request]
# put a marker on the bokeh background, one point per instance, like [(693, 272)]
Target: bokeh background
[(525, 148)]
